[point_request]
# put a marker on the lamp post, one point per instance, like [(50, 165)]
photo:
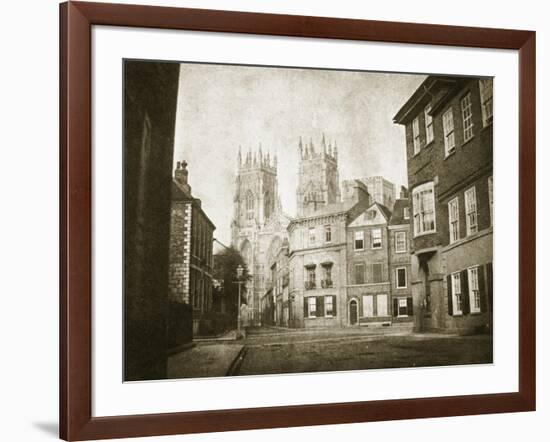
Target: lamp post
[(239, 281)]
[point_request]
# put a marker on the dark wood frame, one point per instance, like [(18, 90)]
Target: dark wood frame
[(76, 20)]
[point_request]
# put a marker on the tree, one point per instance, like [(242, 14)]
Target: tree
[(225, 272)]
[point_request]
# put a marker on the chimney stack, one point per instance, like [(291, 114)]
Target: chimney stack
[(181, 175)]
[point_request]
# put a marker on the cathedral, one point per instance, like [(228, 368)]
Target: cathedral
[(259, 226)]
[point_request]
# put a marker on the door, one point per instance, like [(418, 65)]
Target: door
[(353, 312)]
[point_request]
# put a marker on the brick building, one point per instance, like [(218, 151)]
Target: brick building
[(191, 260), (400, 262), (449, 142), (368, 283)]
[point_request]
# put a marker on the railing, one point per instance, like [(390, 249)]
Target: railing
[(326, 283), (309, 285)]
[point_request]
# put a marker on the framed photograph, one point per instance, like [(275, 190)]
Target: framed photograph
[(274, 220)]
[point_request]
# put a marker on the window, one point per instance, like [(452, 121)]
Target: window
[(471, 211), (329, 310), (454, 233), (406, 213), (310, 278), (377, 272), (311, 307), (467, 119), (402, 307), (368, 306), (359, 271), (490, 190), (449, 131), (381, 305), (249, 205), (376, 239), (328, 234), (416, 136), (455, 287), (400, 242), (401, 277), (359, 240), (423, 209), (327, 276), (473, 284), (486, 94), (428, 120), (311, 236)]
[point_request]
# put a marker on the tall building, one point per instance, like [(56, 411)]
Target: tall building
[(318, 181), (381, 190), (191, 261), (150, 98), (258, 221), (449, 142)]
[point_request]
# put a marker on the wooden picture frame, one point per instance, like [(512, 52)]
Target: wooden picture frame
[(76, 421)]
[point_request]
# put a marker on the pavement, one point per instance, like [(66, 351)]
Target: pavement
[(206, 359)]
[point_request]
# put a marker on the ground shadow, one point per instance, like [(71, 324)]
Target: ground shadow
[(51, 428)]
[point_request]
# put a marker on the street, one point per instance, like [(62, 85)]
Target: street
[(276, 351), (305, 352)]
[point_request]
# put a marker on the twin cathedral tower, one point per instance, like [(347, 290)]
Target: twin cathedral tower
[(259, 226)]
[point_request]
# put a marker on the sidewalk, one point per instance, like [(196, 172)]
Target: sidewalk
[(203, 360)]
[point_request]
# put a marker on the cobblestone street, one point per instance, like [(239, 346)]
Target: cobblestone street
[(276, 351), (295, 354)]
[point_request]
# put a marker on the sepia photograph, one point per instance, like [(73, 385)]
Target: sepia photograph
[(282, 220)]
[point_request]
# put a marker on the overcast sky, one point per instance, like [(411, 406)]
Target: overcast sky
[(221, 107)]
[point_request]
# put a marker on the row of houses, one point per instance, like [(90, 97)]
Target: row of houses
[(355, 255), (345, 265)]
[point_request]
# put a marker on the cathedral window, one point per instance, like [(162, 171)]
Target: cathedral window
[(249, 205), (267, 205)]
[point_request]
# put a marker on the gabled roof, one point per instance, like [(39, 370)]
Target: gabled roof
[(398, 214), (380, 208)]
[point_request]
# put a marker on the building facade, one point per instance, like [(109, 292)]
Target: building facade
[(368, 282), (317, 239), (449, 139), (191, 258), (150, 101), (258, 223), (400, 263)]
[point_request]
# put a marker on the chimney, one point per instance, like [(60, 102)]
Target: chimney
[(181, 175), (355, 191)]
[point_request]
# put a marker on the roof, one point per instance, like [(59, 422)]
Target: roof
[(329, 209), (385, 211), (180, 193), (398, 215), (433, 88)]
